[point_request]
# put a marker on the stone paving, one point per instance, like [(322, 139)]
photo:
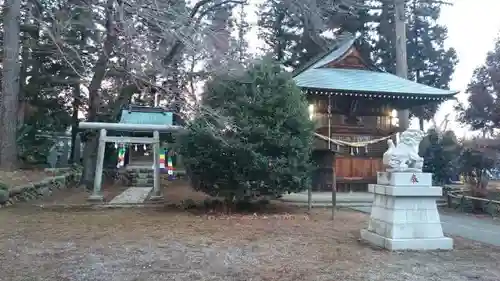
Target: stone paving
[(483, 230), (132, 195), (324, 199)]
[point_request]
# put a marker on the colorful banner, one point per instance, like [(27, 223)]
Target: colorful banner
[(121, 156), (162, 159), (170, 167)]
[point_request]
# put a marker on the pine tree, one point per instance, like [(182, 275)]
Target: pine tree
[(239, 44), (483, 110), (53, 67), (295, 31), (429, 62), (274, 28), (441, 153), (10, 85), (218, 37)]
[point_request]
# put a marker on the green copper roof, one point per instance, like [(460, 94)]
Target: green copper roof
[(363, 81), (150, 118), (335, 53), (315, 77)]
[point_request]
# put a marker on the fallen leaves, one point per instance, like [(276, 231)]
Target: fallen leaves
[(255, 216)]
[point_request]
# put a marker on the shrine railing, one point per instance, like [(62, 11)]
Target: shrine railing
[(385, 123), (458, 199)]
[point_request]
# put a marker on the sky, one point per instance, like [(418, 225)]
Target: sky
[(472, 31)]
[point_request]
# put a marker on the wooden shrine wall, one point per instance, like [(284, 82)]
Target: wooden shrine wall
[(357, 168)]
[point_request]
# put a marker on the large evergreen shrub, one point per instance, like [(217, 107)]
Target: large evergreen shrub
[(254, 137)]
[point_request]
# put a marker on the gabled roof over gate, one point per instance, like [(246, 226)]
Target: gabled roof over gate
[(146, 115)]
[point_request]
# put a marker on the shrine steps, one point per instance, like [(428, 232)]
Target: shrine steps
[(140, 176)]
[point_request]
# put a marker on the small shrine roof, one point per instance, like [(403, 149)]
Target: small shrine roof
[(330, 73), (146, 115)]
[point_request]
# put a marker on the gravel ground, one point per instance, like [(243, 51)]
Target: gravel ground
[(160, 244)]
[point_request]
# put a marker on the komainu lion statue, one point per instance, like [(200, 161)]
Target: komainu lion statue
[(404, 157)]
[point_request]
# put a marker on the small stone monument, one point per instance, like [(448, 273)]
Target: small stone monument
[(66, 150), (77, 149), (404, 213), (53, 157)]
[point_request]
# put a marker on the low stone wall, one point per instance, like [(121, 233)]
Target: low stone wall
[(42, 189), (139, 177), (143, 177)]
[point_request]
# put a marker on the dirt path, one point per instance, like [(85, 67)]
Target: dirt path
[(133, 245)]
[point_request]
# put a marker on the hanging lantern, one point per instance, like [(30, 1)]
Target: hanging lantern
[(116, 145), (144, 146), (135, 147)]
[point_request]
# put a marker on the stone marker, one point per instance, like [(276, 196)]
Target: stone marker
[(52, 158), (76, 152), (66, 150), (404, 213)]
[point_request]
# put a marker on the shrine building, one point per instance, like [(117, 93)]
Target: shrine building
[(354, 104)]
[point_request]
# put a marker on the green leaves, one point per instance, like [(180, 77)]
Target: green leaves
[(441, 153), (295, 31), (262, 146), (429, 61), (483, 111)]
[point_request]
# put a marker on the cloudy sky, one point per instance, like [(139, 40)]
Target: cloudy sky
[(472, 30)]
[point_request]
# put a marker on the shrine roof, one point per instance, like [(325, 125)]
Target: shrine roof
[(146, 115), (333, 73)]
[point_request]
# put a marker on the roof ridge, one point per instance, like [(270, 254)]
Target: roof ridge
[(343, 39)]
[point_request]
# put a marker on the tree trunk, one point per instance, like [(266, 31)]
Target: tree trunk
[(74, 119), (417, 74), (89, 152), (25, 54), (75, 106), (30, 40), (401, 55), (10, 85)]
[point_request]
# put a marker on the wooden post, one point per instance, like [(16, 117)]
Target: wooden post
[(334, 187), (309, 198), (329, 121), (324, 174), (156, 167), (97, 193), (448, 198), (401, 56)]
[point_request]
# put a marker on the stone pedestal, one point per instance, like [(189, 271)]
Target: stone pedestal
[(97, 198), (404, 213)]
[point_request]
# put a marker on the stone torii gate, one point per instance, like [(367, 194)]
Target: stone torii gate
[(104, 138)]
